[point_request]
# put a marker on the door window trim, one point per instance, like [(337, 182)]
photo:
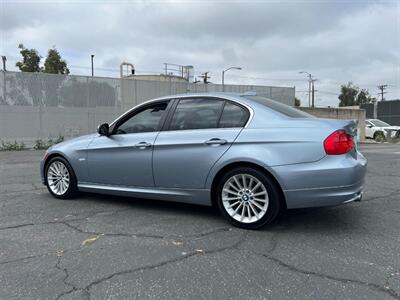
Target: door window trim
[(139, 109), (167, 123)]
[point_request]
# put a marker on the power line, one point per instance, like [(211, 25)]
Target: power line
[(331, 93), (266, 78)]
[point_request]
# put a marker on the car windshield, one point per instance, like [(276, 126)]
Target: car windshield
[(379, 123), (281, 108)]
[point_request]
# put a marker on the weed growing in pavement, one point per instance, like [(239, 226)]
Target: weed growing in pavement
[(42, 145), (9, 146)]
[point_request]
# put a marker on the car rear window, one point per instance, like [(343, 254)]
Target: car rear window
[(280, 107), (233, 116)]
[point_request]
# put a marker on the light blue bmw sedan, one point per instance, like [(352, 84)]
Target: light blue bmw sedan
[(249, 155)]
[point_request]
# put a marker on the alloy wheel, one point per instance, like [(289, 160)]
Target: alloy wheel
[(245, 198), (58, 178)]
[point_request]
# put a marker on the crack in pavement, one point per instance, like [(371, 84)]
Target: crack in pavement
[(197, 235), (66, 275), (394, 193), (23, 258), (63, 219), (87, 288), (174, 260), (76, 228), (385, 289), (17, 226)]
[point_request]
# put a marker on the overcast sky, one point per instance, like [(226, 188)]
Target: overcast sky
[(336, 41)]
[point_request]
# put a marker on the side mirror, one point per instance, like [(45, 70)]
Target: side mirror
[(103, 129), (369, 126)]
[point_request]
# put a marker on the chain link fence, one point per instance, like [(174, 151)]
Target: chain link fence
[(41, 106)]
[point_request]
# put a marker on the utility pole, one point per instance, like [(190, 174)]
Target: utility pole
[(4, 79), (4, 62), (205, 77), (311, 90), (91, 57), (382, 87)]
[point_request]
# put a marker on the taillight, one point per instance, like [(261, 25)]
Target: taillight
[(339, 142)]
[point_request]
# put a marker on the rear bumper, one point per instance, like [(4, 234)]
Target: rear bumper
[(330, 196), (331, 181)]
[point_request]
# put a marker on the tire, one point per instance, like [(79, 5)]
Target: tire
[(247, 186), (60, 178), (379, 136)]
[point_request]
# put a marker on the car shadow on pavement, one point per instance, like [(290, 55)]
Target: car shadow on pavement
[(328, 220), (150, 205)]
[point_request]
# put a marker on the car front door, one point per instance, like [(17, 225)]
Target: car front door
[(369, 132), (197, 134), (125, 157)]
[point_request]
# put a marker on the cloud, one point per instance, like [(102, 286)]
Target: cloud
[(272, 41)]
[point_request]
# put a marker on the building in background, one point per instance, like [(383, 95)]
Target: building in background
[(172, 73)]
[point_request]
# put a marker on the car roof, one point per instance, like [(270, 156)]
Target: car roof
[(238, 97)]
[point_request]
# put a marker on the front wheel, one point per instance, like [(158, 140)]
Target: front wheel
[(248, 198), (60, 178)]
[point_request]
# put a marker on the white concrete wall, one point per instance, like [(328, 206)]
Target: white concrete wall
[(342, 114)]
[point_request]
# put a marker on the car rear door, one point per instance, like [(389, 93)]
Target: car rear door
[(199, 131)]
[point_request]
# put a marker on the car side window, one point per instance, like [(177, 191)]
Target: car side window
[(233, 116), (146, 120), (196, 114)]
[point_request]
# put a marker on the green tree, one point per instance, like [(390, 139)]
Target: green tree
[(297, 101), (348, 94), (54, 64), (352, 95), (30, 60), (364, 97)]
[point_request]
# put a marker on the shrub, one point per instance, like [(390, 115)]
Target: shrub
[(42, 145), (9, 146)]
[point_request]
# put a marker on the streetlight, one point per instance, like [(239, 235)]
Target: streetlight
[(223, 75), (91, 57), (310, 88)]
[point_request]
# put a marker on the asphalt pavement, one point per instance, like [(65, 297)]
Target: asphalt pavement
[(105, 247)]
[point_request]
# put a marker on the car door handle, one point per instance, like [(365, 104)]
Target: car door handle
[(142, 145), (216, 141)]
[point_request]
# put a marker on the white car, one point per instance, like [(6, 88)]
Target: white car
[(379, 130)]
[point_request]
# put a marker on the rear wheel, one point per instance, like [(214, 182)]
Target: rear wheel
[(248, 198), (60, 178), (379, 136)]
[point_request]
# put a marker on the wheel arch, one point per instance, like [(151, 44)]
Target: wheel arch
[(237, 164), (51, 156), (379, 132)]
